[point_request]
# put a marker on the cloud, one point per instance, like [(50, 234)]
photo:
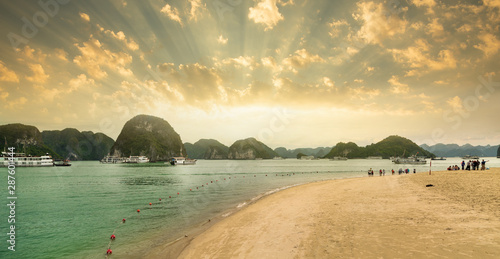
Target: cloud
[(7, 75), (222, 40), (456, 104), (61, 54), (39, 75), (196, 9), (435, 29), (425, 3), (492, 3), (16, 104), (336, 27), (490, 44), (171, 13), (84, 16), (247, 62), (419, 57), (94, 57), (397, 87), (300, 59), (80, 81), (379, 24), (265, 12), (130, 43)]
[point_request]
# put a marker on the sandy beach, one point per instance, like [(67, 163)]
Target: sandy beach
[(376, 217)]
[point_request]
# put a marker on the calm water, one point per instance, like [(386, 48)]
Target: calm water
[(70, 212)]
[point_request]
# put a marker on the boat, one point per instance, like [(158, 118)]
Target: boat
[(278, 158), (375, 157), (65, 162), (182, 161), (412, 160), (438, 158), (339, 158), (136, 160), (469, 157), (112, 160), (21, 160)]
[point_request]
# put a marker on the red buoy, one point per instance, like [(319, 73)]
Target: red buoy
[(177, 193), (160, 199), (113, 237), (123, 220), (138, 211), (109, 252)]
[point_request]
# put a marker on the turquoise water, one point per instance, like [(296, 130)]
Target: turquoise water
[(70, 212)]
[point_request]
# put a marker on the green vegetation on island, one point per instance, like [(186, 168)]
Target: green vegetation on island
[(250, 148), (206, 149), (454, 150), (292, 153), (390, 146), (76, 145), (25, 139), (498, 152), (150, 136)]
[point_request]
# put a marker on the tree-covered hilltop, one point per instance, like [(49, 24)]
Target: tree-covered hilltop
[(498, 152), (206, 149), (76, 145), (292, 153), (25, 139), (391, 146), (250, 148), (149, 136)]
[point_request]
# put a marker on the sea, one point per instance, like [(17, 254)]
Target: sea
[(71, 212)]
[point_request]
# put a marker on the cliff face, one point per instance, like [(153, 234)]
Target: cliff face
[(250, 149), (148, 136), (76, 145), (206, 149), (25, 138)]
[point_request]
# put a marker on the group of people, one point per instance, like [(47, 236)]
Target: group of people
[(471, 165), (382, 171)]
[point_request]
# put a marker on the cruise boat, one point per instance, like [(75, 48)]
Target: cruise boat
[(182, 161), (112, 160), (438, 158), (412, 160), (21, 160), (339, 158), (469, 157), (136, 160)]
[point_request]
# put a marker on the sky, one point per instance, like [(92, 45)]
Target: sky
[(291, 73)]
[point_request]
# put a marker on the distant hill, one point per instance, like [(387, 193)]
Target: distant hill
[(206, 149), (454, 150), (25, 138), (76, 145), (149, 136), (250, 148), (498, 152), (390, 146), (292, 153)]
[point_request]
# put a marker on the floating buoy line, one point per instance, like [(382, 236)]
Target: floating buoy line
[(113, 236)]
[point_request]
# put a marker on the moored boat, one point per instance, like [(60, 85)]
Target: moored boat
[(65, 162), (21, 160), (469, 157), (412, 160), (182, 161), (136, 160), (438, 158)]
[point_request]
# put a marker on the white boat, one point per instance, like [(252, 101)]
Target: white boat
[(182, 161), (412, 160), (469, 157), (136, 160), (374, 157), (21, 160), (112, 160), (339, 158)]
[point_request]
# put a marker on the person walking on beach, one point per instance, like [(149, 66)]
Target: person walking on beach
[(468, 166), (463, 164)]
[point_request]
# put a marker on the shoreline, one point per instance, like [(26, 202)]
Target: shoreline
[(185, 247)]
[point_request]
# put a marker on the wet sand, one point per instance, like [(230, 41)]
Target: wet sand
[(376, 217)]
